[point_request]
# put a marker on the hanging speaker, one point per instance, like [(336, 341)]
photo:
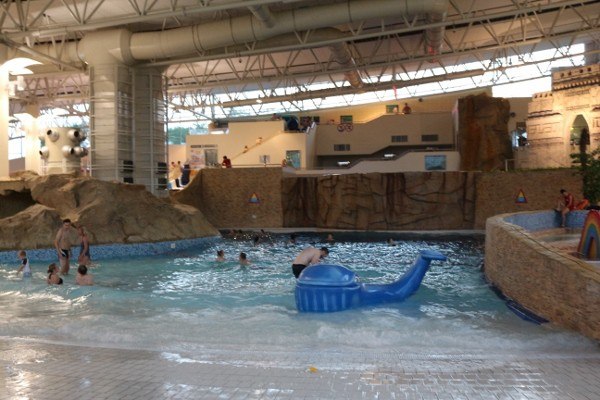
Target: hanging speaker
[(52, 135), (44, 152)]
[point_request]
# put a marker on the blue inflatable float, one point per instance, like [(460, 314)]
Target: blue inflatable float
[(330, 288)]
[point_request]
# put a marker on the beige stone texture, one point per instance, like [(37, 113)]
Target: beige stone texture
[(553, 284), (223, 195), (111, 212), (497, 192), (483, 139), (393, 201)]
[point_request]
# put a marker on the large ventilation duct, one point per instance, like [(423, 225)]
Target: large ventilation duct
[(238, 30), (341, 54), (340, 51), (264, 15), (261, 25), (434, 36)]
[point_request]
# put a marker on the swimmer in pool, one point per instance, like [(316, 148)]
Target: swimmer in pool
[(83, 278), (308, 256), (220, 256), (66, 237), (24, 265), (53, 278), (244, 259)]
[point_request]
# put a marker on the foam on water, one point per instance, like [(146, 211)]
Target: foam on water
[(189, 303)]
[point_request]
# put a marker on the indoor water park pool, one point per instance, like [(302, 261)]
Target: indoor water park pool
[(188, 303)]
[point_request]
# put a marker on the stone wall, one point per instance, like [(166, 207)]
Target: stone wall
[(561, 288), (225, 196), (497, 192), (393, 201)]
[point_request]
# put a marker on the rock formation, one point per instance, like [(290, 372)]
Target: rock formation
[(483, 139), (33, 207), (398, 201)]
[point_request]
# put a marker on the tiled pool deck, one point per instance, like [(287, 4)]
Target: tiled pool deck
[(33, 370)]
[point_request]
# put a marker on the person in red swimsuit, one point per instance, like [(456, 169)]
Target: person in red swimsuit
[(566, 205)]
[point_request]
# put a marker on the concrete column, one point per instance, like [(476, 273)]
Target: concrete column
[(111, 122), (4, 170), (32, 140), (149, 130)]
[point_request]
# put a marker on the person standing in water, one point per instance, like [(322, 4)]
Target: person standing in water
[(66, 237), (24, 267), (308, 256)]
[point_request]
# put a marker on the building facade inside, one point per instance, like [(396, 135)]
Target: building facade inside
[(130, 72)]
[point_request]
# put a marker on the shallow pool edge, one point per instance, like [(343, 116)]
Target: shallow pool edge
[(115, 250)]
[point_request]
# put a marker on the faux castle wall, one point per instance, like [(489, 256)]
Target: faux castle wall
[(497, 192), (392, 201), (561, 288), (236, 197)]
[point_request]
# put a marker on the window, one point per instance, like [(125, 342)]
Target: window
[(435, 163), (341, 147), (429, 138), (16, 140), (399, 138)]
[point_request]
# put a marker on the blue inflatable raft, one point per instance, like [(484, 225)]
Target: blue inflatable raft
[(330, 288)]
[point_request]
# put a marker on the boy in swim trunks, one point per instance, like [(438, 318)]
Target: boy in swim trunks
[(66, 237)]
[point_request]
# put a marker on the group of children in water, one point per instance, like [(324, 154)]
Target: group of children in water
[(82, 278), (66, 237)]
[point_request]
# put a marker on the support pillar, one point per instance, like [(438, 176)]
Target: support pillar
[(150, 146), (4, 165)]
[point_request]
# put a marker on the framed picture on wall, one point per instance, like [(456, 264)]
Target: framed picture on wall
[(435, 163), (391, 108), (345, 119)]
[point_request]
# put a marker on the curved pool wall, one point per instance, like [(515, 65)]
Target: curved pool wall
[(106, 251), (553, 284)]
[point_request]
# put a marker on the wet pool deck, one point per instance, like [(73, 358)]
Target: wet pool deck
[(33, 370)]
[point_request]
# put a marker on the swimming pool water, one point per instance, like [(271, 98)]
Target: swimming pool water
[(188, 303)]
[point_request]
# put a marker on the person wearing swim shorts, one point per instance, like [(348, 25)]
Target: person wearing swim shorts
[(308, 256), (66, 237)]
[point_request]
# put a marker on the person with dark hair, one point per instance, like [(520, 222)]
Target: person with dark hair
[(83, 278), (220, 255), (185, 175), (565, 205), (244, 259), (66, 237), (293, 125), (308, 256), (226, 163), (53, 278)]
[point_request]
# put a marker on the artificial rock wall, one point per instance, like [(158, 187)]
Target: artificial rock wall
[(483, 139), (396, 201)]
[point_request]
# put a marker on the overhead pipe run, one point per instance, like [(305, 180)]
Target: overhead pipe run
[(128, 48), (198, 38)]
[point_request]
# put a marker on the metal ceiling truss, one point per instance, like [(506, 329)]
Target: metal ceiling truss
[(472, 35)]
